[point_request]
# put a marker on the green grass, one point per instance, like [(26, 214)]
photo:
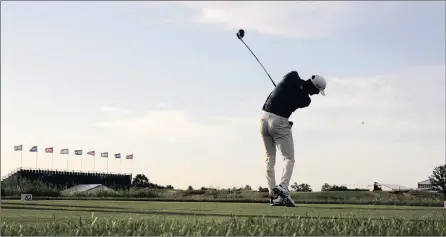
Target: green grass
[(11, 189), (231, 227), (242, 200), (65, 217)]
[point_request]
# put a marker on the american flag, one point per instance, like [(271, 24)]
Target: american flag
[(129, 157), (33, 149), (18, 148), (78, 152), (64, 151), (91, 153), (104, 154), (49, 150), (118, 155)]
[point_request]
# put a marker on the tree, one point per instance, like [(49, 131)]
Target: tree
[(248, 187), (263, 190), (438, 179), (338, 188), (301, 187), (326, 187), (190, 188), (169, 187), (305, 188), (235, 189), (294, 187), (140, 180)]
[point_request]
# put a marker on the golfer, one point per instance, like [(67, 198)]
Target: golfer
[(290, 94)]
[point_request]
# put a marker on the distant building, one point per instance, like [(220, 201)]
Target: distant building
[(425, 185), (391, 187)]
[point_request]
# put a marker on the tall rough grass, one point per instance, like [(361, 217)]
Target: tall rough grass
[(137, 193), (233, 226), (16, 187)]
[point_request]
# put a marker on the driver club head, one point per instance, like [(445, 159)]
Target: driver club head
[(240, 34)]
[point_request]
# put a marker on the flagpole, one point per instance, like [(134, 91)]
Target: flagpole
[(120, 164), (36, 158), (94, 163), (131, 168), (81, 161), (68, 157), (107, 163), (52, 160), (21, 158)]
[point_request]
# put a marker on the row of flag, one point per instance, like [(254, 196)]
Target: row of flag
[(76, 152)]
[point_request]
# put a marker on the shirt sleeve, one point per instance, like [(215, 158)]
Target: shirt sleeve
[(304, 101), (291, 78)]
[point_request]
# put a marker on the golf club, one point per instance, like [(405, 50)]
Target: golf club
[(240, 35)]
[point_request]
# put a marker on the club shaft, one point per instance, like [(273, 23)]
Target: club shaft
[(258, 61)]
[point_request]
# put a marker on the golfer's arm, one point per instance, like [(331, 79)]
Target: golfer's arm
[(292, 78), (304, 102)]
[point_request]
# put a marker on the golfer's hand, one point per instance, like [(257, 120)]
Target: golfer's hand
[(290, 123)]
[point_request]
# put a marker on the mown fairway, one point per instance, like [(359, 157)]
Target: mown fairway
[(65, 217)]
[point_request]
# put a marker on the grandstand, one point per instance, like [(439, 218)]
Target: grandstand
[(69, 179)]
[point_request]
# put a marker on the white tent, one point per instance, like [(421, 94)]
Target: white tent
[(88, 188), (392, 187)]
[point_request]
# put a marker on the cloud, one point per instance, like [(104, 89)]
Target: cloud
[(303, 19), (409, 103), (396, 89), (162, 105), (173, 126), (115, 110)]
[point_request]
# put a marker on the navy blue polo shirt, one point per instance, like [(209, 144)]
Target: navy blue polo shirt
[(287, 96)]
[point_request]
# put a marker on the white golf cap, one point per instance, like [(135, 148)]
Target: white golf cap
[(320, 83)]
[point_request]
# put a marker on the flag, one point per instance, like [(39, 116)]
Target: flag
[(118, 155), (49, 150), (78, 152), (18, 148), (104, 154), (129, 157), (64, 151), (91, 153), (33, 149)]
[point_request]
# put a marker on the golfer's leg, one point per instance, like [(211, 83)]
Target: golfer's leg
[(284, 140), (270, 156)]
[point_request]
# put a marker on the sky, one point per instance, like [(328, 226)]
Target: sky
[(170, 83)]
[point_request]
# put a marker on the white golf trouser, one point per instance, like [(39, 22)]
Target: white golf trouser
[(276, 132)]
